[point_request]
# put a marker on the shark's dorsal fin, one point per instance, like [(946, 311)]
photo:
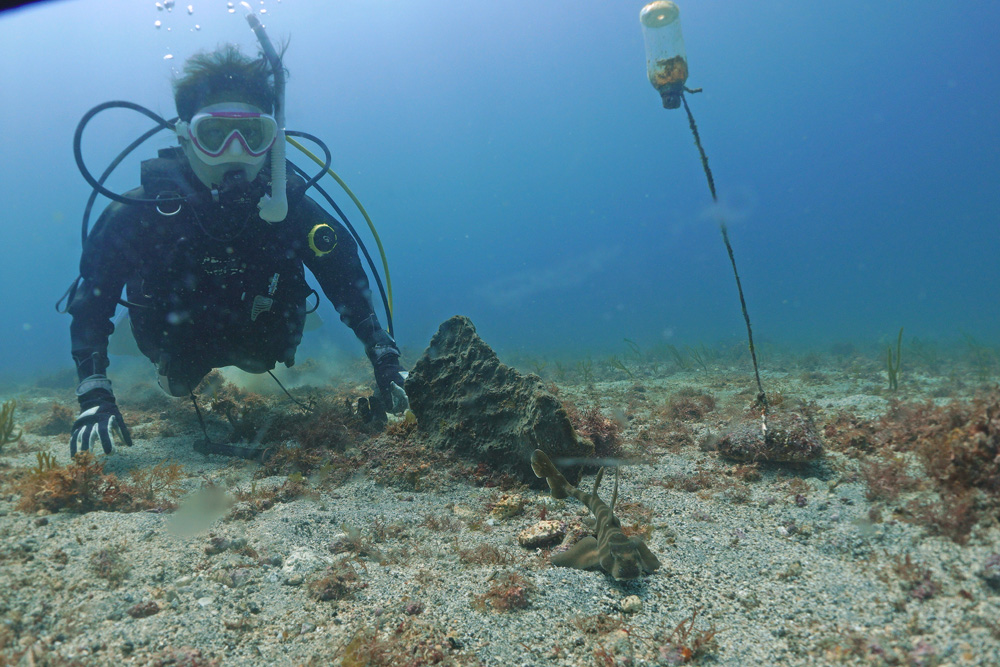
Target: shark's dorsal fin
[(597, 480), (614, 494)]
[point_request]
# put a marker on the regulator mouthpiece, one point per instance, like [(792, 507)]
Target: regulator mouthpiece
[(273, 207), (666, 61)]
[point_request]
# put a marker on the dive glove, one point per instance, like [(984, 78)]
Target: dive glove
[(99, 417), (390, 376)]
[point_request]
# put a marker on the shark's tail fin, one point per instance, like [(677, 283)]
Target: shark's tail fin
[(544, 467)]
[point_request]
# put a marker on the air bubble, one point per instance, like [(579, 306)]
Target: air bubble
[(169, 56), (168, 5), (159, 7), (190, 9), (157, 24)]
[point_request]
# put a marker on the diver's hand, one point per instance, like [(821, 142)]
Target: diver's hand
[(390, 378), (99, 418), (389, 373), (398, 400)]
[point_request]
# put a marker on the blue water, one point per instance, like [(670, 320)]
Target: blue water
[(522, 171)]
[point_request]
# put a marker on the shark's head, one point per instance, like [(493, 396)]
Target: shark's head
[(623, 560)]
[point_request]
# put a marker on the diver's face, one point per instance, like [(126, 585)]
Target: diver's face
[(227, 135)]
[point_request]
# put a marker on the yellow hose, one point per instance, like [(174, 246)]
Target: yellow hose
[(371, 225)]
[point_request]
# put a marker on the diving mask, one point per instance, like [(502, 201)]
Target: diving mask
[(229, 132)]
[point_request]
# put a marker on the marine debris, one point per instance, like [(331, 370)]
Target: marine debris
[(466, 400), (666, 66), (621, 557)]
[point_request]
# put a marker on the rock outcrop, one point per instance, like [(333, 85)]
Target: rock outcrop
[(790, 438), (466, 400)]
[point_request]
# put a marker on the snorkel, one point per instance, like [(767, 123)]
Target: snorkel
[(273, 207)]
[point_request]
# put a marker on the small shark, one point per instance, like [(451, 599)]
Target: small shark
[(621, 557)]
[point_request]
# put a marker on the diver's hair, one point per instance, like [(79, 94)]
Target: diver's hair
[(225, 69)]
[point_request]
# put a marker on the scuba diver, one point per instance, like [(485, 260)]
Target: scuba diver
[(213, 276)]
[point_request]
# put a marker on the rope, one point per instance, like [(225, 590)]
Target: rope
[(761, 396)]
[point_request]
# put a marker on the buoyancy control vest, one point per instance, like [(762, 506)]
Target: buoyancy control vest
[(215, 276)]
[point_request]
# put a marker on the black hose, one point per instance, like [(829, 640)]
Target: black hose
[(99, 185), (107, 172), (371, 264), (326, 152)]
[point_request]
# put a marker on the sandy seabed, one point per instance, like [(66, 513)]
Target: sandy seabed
[(362, 546)]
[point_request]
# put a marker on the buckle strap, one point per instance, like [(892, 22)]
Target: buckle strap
[(93, 382)]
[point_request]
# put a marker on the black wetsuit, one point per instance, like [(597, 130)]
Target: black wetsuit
[(212, 285)]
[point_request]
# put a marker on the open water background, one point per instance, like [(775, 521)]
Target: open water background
[(522, 171)]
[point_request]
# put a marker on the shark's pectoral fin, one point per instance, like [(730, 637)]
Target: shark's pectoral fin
[(583, 555), (650, 563)]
